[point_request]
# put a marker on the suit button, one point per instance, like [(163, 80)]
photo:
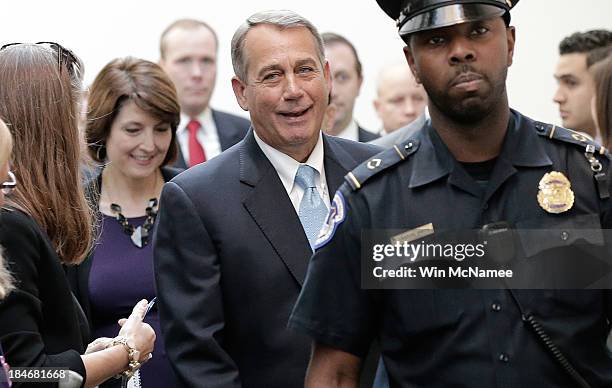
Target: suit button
[(564, 235), (496, 306), (503, 357)]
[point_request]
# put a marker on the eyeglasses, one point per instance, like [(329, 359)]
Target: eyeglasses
[(9, 186), (72, 62)]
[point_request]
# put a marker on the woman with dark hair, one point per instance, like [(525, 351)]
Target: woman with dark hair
[(601, 105), (46, 222), (131, 125)]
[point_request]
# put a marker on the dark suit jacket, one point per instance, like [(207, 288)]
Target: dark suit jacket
[(365, 135), (230, 257), (231, 129), (41, 325), (78, 276)]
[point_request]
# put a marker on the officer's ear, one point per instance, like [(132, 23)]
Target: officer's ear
[(410, 59), (239, 91), (510, 38)]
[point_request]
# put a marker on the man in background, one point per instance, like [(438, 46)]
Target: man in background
[(400, 98), (347, 78), (188, 53), (576, 87)]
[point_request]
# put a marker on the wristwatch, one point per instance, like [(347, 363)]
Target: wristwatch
[(133, 355)]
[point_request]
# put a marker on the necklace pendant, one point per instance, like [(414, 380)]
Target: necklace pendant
[(137, 237)]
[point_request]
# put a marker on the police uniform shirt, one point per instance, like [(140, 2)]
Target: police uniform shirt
[(460, 338)]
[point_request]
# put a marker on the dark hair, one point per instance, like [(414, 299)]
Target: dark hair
[(598, 54), (583, 42), (187, 24), (331, 38), (133, 79), (602, 75), (38, 101)]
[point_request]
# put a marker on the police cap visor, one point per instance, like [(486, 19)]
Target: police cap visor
[(450, 15)]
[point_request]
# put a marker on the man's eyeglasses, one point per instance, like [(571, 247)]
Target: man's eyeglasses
[(64, 55), (8, 186)]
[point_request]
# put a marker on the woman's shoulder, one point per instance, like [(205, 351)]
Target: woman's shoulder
[(16, 224)]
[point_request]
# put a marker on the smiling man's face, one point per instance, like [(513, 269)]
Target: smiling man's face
[(287, 88)]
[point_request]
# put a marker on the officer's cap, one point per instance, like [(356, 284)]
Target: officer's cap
[(420, 15)]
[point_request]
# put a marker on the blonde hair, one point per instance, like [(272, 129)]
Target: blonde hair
[(6, 145)]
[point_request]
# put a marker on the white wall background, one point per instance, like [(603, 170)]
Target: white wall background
[(101, 31)]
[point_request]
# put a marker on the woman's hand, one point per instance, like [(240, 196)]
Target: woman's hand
[(140, 335), (98, 344)]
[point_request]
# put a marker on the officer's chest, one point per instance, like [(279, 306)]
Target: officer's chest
[(451, 204)]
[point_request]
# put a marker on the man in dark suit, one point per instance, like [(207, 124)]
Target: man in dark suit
[(188, 53), (235, 235), (347, 77)]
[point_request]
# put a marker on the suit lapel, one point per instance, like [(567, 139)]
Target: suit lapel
[(338, 162), (228, 134), (267, 202)]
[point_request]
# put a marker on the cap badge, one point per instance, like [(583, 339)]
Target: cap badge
[(555, 194)]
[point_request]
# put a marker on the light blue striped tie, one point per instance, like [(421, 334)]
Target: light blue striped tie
[(312, 208)]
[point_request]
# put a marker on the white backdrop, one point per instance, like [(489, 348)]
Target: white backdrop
[(101, 31)]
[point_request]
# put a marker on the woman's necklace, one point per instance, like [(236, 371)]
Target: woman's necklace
[(140, 234)]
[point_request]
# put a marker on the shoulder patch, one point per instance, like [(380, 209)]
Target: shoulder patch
[(336, 215), (380, 162), (569, 136)]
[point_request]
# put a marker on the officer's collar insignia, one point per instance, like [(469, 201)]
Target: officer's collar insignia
[(581, 136), (555, 194), (334, 218), (374, 163)]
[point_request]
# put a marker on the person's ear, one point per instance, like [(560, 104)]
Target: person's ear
[(411, 63), (239, 88)]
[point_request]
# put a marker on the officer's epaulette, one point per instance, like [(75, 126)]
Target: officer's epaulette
[(569, 136), (380, 162)]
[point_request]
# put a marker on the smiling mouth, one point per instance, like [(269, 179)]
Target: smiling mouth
[(294, 114), (142, 158)]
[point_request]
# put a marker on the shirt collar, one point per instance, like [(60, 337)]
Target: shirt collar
[(205, 118), (521, 148), (286, 166), (351, 132)]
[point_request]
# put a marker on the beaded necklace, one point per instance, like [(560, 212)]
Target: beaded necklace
[(140, 234)]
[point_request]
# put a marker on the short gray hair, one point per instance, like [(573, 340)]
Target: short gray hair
[(282, 19)]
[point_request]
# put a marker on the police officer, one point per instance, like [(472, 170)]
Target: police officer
[(476, 163)]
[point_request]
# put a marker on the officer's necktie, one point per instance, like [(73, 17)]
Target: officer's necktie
[(196, 151), (312, 211)]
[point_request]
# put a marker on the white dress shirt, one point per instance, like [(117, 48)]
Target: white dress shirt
[(286, 167), (207, 135), (351, 132)]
